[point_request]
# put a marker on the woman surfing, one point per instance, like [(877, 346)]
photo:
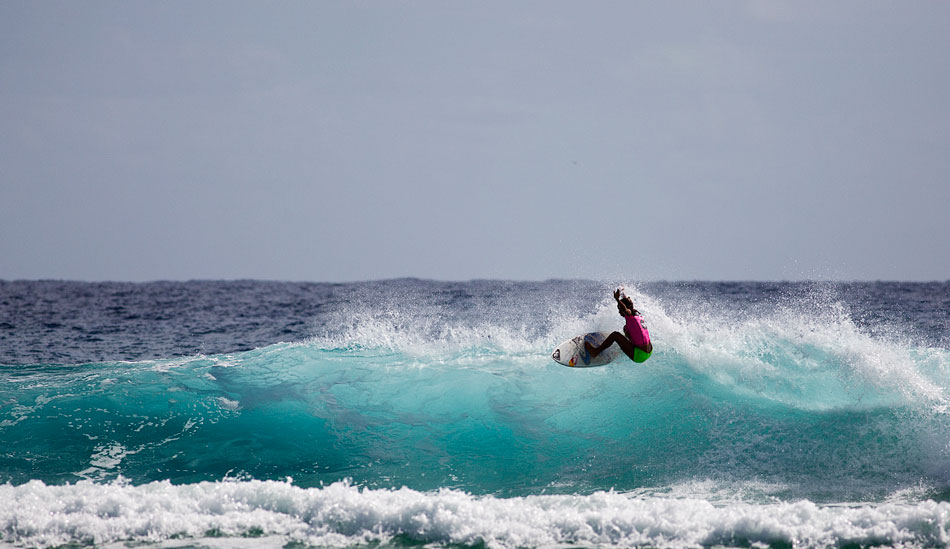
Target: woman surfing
[(635, 341)]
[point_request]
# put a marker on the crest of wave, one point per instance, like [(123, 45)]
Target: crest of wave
[(420, 324), (806, 352)]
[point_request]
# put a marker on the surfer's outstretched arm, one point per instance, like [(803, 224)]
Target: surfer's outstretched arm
[(625, 345)]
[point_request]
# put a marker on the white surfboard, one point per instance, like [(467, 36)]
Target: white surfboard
[(572, 352)]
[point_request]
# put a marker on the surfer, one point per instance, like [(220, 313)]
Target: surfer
[(635, 341)]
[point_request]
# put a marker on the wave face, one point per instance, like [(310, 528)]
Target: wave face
[(416, 411)]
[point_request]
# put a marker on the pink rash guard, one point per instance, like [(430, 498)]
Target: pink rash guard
[(637, 331)]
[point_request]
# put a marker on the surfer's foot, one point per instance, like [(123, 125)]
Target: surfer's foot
[(591, 349)]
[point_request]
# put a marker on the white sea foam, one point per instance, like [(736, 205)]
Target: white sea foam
[(339, 515)]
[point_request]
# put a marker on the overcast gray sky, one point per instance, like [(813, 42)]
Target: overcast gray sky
[(337, 141)]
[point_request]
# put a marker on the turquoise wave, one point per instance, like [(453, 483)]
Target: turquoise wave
[(814, 410)]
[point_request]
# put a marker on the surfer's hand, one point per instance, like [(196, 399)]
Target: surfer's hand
[(617, 294)]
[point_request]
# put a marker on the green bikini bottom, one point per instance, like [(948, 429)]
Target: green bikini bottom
[(639, 355)]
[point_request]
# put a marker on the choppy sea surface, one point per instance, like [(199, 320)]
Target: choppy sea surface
[(411, 413)]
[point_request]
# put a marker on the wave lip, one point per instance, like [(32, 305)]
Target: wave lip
[(339, 515)]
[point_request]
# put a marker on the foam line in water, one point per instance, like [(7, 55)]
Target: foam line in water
[(341, 515)]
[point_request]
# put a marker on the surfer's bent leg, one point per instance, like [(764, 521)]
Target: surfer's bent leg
[(615, 337)]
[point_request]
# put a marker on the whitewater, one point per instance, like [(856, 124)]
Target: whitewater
[(408, 412)]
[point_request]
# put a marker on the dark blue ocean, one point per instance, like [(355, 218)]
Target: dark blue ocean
[(411, 413)]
